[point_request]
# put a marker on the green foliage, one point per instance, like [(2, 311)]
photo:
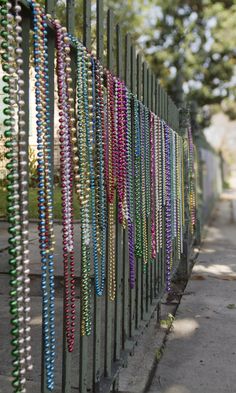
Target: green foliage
[(33, 203), (190, 45), (2, 147), (33, 175), (168, 322)]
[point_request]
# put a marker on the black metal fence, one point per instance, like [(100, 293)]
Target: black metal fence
[(97, 358)]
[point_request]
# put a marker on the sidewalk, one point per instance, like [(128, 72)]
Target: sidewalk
[(200, 354)]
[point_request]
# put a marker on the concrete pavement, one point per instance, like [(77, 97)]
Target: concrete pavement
[(200, 353)]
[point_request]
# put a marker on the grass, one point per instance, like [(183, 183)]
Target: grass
[(33, 204)]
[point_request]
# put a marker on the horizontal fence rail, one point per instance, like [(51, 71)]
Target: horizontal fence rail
[(131, 164)]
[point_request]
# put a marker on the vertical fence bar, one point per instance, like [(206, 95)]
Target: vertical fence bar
[(138, 260), (83, 366), (119, 228), (109, 303), (87, 23), (126, 302), (100, 30), (70, 15), (133, 90), (98, 299)]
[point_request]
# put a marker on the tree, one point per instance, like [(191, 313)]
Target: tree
[(190, 45)]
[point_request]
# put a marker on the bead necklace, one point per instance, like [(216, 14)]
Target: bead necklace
[(17, 201), (23, 192), (168, 207), (154, 229), (110, 171), (144, 186), (120, 126), (129, 189), (83, 188), (160, 183), (179, 195), (98, 131), (137, 184), (147, 158), (45, 184), (172, 173), (191, 180), (68, 158), (91, 135)]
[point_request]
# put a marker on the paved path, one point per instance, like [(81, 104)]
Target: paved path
[(200, 354)]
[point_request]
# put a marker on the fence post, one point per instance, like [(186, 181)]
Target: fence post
[(182, 272)]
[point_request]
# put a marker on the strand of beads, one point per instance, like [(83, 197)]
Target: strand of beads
[(67, 150), (84, 189), (155, 165), (143, 187), (111, 170), (137, 184), (129, 190), (153, 188), (168, 238), (90, 108), (147, 158), (73, 170), (160, 182), (101, 198), (192, 199), (121, 170), (23, 267), (45, 202), (178, 186), (8, 65)]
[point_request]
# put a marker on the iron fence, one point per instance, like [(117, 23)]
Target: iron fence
[(96, 360)]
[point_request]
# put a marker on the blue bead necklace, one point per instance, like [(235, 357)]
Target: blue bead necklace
[(45, 202)]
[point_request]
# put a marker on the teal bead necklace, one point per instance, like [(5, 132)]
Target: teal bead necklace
[(137, 180)]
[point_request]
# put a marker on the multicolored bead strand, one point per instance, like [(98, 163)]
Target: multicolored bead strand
[(25, 338), (45, 192), (168, 238), (110, 163), (68, 151), (144, 186), (153, 187), (137, 184), (13, 208), (101, 211), (129, 190), (84, 189), (17, 198), (120, 126), (160, 183)]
